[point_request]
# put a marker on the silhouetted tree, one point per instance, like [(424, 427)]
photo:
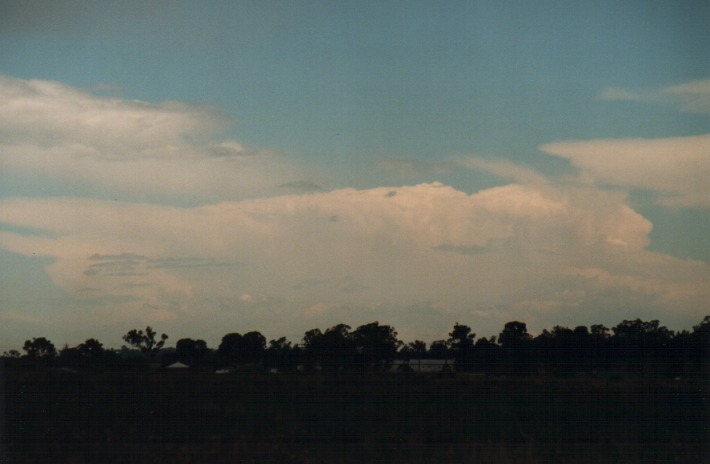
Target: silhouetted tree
[(191, 351), (439, 349), (638, 328), (333, 349), (563, 350), (282, 354), (91, 353), (461, 342), (230, 349), (702, 330), (486, 355), (376, 345), (12, 354), (415, 349), (513, 334), (145, 341), (92, 350), (638, 345), (253, 346), (699, 347), (242, 349), (517, 353), (39, 348), (635, 346)]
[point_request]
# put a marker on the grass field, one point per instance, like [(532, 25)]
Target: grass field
[(161, 416)]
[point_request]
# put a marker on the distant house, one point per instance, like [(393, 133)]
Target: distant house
[(178, 365), (422, 366)]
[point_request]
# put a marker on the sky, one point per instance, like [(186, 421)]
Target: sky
[(214, 167)]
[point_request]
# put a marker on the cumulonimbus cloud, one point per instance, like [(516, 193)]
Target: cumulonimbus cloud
[(357, 249), (202, 229)]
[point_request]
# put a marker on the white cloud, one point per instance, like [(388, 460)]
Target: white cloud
[(420, 257), (128, 149), (359, 255), (676, 167)]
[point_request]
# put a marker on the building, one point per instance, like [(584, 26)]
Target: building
[(422, 366)]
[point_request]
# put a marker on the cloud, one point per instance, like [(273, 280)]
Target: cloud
[(110, 147), (157, 219), (689, 97), (677, 168), (542, 251), (618, 94), (504, 170), (694, 96)]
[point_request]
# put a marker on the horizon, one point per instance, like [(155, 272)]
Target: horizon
[(299, 342), (214, 168)]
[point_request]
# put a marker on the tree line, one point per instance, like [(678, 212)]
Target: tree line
[(632, 346)]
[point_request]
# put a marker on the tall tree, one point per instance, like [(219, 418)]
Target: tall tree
[(281, 354), (230, 349), (91, 348), (439, 349), (333, 349), (242, 349), (461, 342), (516, 351), (191, 351), (415, 349), (145, 341), (39, 348), (638, 328), (253, 347), (376, 345), (514, 333)]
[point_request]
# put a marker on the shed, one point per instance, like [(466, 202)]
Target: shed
[(178, 365), (426, 365)]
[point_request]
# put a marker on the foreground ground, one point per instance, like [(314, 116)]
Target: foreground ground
[(161, 416)]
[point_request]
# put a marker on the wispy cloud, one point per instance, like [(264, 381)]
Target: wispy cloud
[(503, 169), (618, 94), (694, 96), (689, 97)]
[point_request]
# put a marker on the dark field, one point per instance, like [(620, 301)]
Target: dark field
[(184, 417)]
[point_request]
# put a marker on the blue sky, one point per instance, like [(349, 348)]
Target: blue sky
[(285, 165)]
